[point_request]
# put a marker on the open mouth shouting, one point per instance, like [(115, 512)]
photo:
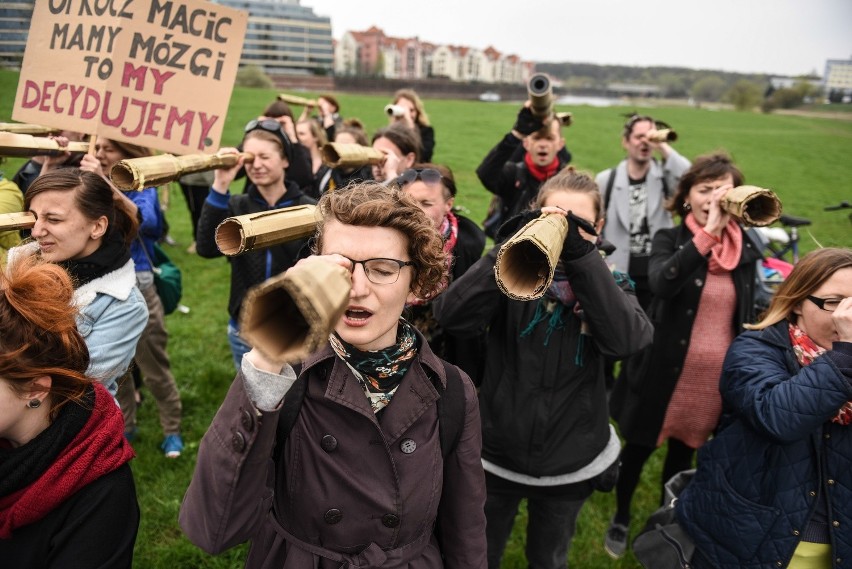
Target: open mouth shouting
[(356, 316)]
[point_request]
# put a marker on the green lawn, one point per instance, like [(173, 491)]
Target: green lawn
[(805, 160)]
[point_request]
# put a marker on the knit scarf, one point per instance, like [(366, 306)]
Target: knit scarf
[(539, 173), (806, 352), (84, 443), (449, 231), (379, 371), (110, 256), (725, 255)]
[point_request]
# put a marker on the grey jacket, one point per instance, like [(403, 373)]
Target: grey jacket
[(350, 486), (617, 227)]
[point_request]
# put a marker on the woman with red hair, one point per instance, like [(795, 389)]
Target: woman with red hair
[(67, 496)]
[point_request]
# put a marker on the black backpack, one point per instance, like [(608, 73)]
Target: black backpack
[(451, 411)]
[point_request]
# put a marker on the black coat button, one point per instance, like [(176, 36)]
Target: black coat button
[(328, 443), (246, 420), (333, 516), (238, 442), (390, 520), (407, 446)]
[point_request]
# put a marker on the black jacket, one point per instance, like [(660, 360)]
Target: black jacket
[(543, 405), (427, 142), (504, 173), (467, 351), (253, 267), (95, 528), (677, 272)]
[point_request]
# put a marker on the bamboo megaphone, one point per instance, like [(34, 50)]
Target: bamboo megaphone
[(24, 128), (662, 135), (526, 262), (565, 119), (336, 154), (18, 220), (236, 235), (139, 173), (296, 100), (291, 315), (25, 145), (541, 95), (753, 205)]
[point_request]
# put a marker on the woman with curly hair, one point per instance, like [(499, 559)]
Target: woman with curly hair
[(362, 476)]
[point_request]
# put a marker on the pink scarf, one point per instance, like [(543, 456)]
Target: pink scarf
[(725, 254), (806, 352)]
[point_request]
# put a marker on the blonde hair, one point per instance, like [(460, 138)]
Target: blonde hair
[(807, 276), (411, 95)]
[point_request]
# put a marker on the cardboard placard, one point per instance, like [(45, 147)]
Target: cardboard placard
[(157, 73)]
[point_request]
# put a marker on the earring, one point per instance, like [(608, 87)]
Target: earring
[(34, 403), (686, 206)]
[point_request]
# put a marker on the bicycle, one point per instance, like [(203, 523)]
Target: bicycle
[(842, 205)]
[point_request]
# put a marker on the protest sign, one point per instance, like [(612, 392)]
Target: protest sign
[(157, 73)]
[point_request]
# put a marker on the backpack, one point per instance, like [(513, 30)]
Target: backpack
[(451, 411)]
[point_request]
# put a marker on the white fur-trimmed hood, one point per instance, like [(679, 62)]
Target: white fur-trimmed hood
[(118, 284)]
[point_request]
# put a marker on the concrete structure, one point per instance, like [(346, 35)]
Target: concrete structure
[(15, 16), (285, 37), (838, 76), (371, 53)]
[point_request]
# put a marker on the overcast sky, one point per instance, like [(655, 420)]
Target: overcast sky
[(788, 37)]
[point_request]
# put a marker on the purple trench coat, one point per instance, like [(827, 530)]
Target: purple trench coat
[(351, 488)]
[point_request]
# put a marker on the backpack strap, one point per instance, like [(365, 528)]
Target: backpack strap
[(608, 190), (451, 410)]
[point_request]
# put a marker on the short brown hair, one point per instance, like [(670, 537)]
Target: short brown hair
[(40, 334), (807, 276), (93, 197), (405, 138), (370, 204), (704, 169)]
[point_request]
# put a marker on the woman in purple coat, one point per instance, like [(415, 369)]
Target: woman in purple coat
[(362, 477)]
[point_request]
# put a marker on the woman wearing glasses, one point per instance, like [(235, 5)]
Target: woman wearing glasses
[(702, 278), (434, 189), (546, 432), (269, 190), (773, 487), (361, 476)]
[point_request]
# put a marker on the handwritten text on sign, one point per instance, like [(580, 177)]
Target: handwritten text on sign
[(157, 73)]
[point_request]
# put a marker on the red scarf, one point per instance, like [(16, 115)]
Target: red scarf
[(449, 231), (725, 255), (539, 173), (98, 449), (806, 352)]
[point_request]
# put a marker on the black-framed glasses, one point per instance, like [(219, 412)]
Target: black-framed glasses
[(429, 176), (380, 270), (827, 304), (274, 127)]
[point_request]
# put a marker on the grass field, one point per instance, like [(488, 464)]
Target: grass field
[(805, 160)]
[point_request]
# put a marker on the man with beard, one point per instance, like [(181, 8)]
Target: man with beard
[(515, 169), (635, 193)]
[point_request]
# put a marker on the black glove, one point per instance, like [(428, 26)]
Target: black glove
[(515, 223), (527, 123), (575, 245)]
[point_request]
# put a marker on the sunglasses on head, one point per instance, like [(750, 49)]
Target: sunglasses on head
[(271, 126), (428, 176)]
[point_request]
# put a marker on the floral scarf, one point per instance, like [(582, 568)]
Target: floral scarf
[(806, 352), (379, 371)]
